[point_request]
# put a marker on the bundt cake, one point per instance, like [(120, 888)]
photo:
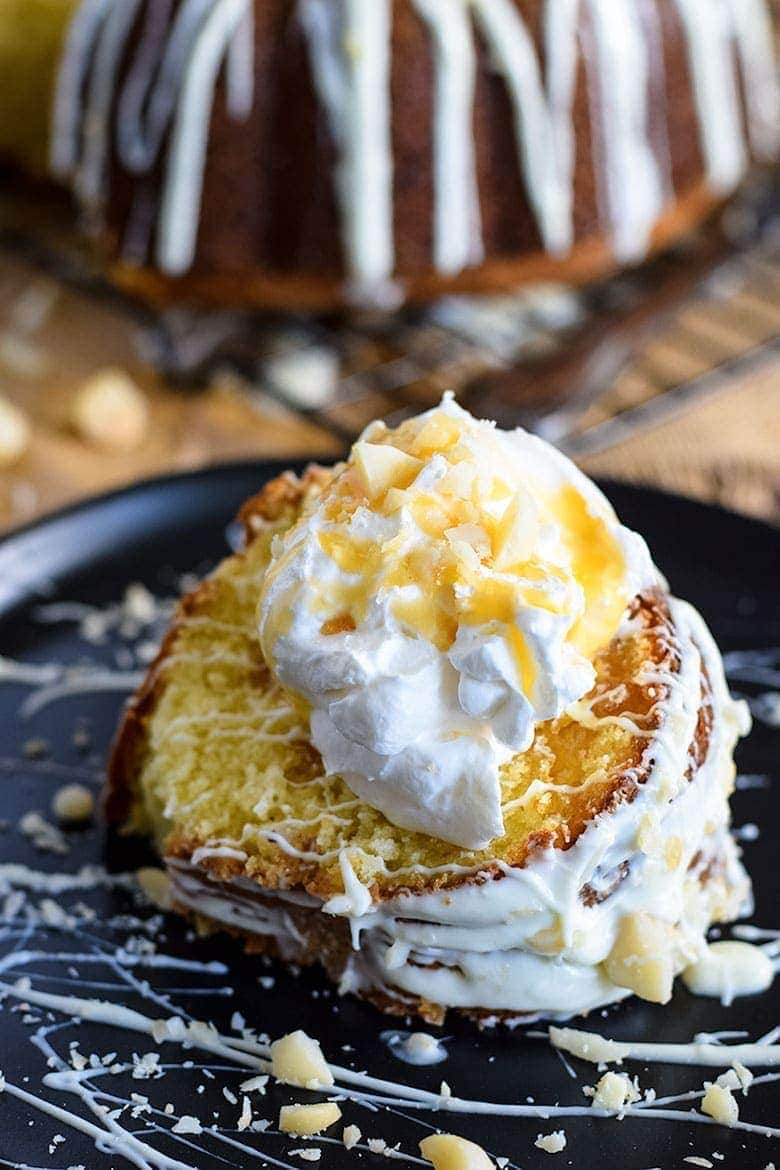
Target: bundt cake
[(462, 764), (303, 152)]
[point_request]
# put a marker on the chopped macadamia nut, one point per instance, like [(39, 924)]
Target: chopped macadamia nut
[(613, 1091), (516, 533), (306, 1120), (73, 804), (551, 1143), (641, 958), (14, 434), (447, 1151), (588, 1045), (188, 1124), (296, 1059), (737, 1077), (110, 411), (156, 884), (351, 1136), (382, 467), (254, 1085), (245, 1120), (719, 1103)]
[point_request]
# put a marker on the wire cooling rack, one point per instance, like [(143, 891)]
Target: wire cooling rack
[(584, 367)]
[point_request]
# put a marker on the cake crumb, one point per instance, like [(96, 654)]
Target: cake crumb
[(73, 804), (43, 834), (35, 749), (551, 1143)]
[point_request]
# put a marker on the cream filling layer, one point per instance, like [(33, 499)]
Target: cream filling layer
[(527, 940)]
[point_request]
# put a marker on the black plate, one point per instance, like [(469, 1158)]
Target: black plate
[(153, 533)]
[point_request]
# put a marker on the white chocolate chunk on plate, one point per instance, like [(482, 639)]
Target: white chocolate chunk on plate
[(297, 1059), (447, 1151), (351, 1136), (641, 958), (156, 884), (551, 1143), (14, 434), (613, 1091), (306, 1120), (73, 804), (719, 1103)]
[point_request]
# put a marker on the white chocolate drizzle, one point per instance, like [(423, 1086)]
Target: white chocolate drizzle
[(593, 1047), (173, 79), (457, 229), (349, 45), (166, 100), (180, 209), (633, 188), (116, 958), (525, 941)]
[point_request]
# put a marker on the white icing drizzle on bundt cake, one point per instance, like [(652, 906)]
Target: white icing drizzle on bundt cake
[(159, 111)]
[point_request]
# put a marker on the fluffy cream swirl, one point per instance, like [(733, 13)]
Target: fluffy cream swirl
[(447, 592)]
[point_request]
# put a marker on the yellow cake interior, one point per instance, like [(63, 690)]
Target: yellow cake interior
[(224, 753)]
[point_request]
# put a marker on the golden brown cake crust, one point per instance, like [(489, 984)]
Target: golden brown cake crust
[(280, 500), (590, 260), (277, 498)]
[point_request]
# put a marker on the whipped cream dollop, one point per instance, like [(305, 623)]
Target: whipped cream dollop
[(446, 592)]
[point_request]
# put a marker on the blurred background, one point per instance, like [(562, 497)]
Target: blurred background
[(663, 371)]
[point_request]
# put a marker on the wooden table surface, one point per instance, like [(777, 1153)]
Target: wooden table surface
[(724, 446)]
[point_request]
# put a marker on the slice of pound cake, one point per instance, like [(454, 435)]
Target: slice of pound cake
[(440, 727)]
